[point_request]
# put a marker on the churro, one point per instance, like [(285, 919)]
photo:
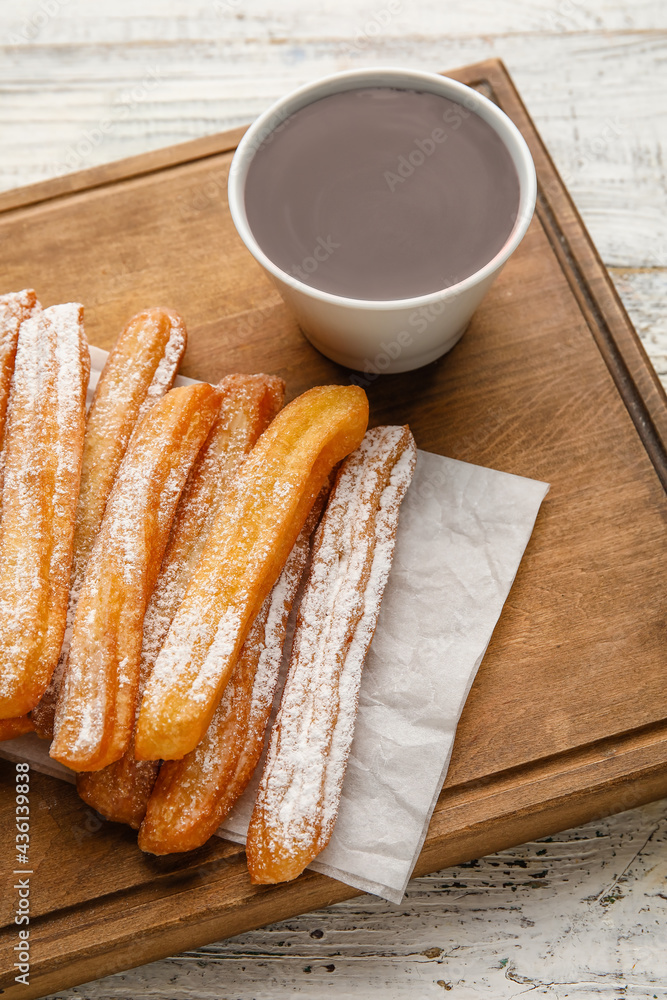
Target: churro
[(300, 788), (193, 795), (139, 370), (96, 704), (260, 516), (14, 308), (248, 403), (44, 441)]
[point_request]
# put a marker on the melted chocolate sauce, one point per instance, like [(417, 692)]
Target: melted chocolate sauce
[(382, 193)]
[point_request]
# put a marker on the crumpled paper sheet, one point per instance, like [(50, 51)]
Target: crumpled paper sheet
[(462, 533)]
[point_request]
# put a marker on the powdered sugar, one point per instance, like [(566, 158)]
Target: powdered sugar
[(277, 615), (14, 308), (309, 746), (167, 365), (250, 692), (127, 389), (193, 794), (23, 533), (350, 679), (120, 576), (73, 371), (43, 461), (248, 404), (252, 535)]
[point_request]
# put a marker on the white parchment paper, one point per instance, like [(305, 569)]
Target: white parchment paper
[(462, 532)]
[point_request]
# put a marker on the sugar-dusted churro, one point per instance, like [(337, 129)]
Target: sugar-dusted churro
[(96, 704), (193, 795), (259, 519), (44, 440), (300, 788), (10, 728), (248, 403), (14, 308), (139, 370)]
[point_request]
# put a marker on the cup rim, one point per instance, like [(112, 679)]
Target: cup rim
[(386, 76)]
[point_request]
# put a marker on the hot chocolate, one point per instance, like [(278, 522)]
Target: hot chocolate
[(382, 193)]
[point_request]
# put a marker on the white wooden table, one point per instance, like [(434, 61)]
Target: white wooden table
[(580, 915)]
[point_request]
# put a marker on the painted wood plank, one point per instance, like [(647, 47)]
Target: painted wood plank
[(75, 21), (644, 294)]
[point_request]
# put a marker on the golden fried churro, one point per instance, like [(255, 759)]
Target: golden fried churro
[(10, 728), (193, 795), (96, 705), (120, 791), (139, 370), (14, 308), (259, 519), (249, 404), (300, 788), (44, 440)]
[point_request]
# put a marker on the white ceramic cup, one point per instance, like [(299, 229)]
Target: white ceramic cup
[(396, 335)]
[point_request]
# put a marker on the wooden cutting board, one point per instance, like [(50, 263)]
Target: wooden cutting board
[(567, 719)]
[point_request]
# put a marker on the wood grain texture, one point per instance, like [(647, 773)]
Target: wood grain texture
[(548, 377), (577, 915)]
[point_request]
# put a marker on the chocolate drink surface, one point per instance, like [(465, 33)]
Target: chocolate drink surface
[(381, 193)]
